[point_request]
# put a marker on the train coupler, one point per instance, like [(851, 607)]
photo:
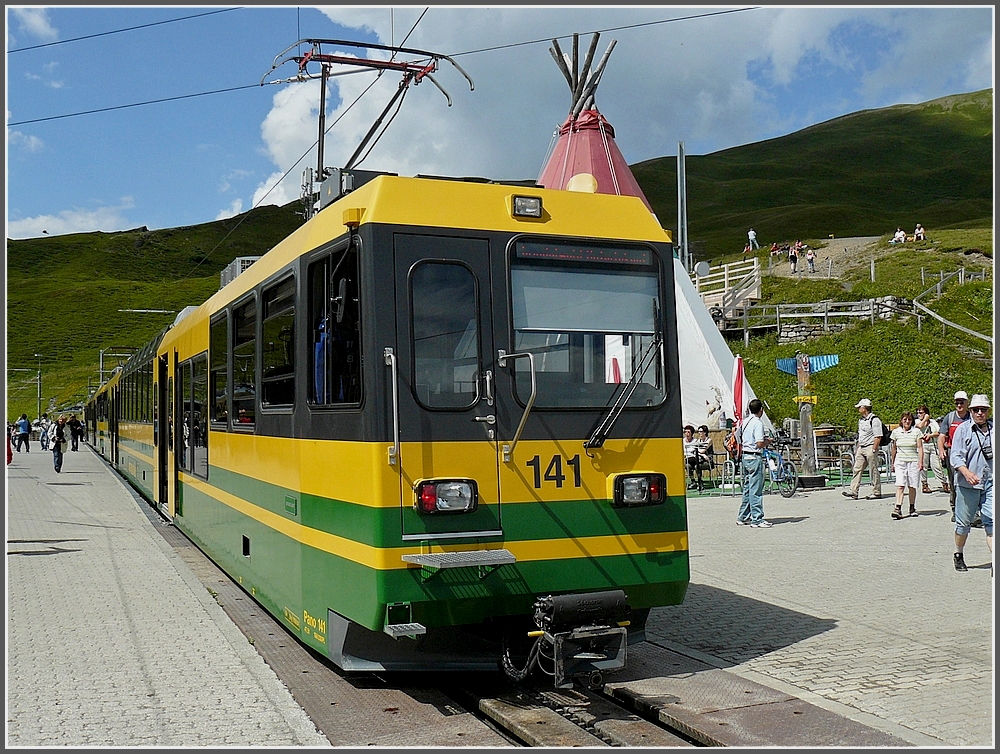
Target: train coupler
[(581, 635)]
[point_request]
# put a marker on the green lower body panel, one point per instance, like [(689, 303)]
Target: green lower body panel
[(319, 594)]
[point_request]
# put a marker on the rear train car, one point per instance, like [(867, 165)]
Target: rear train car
[(439, 416)]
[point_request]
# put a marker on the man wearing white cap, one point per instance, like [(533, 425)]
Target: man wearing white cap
[(972, 459), (866, 452), (949, 425)]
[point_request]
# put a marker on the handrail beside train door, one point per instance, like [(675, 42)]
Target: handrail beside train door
[(390, 361), (502, 357)]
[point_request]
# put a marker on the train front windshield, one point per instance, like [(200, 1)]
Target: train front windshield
[(588, 315)]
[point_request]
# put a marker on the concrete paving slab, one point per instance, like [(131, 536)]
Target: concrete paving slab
[(111, 641)]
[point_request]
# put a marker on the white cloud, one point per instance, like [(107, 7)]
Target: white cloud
[(26, 141), (35, 22), (231, 211), (690, 80), (107, 219)]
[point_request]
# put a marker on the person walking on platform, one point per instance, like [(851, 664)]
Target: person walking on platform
[(59, 443), (43, 431), (949, 425), (907, 461), (866, 452), (971, 457), (75, 430), (23, 434), (753, 440), (931, 430)]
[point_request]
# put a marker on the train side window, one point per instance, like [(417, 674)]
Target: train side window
[(199, 413), (218, 349), (335, 329), (244, 353), (184, 416), (277, 375), (445, 320)]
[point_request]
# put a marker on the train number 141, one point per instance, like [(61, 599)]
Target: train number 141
[(554, 471)]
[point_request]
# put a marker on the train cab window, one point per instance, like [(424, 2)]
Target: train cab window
[(589, 315), (277, 376), (335, 329), (218, 350), (244, 353), (444, 316), (199, 414)]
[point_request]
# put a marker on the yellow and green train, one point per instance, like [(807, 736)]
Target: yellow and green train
[(440, 416)]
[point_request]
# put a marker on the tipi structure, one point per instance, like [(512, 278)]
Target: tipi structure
[(586, 158)]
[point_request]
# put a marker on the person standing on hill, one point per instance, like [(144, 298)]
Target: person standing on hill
[(866, 452), (793, 258), (949, 425), (972, 459), (811, 259), (752, 236)]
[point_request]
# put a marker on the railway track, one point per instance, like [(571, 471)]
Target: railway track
[(546, 717)]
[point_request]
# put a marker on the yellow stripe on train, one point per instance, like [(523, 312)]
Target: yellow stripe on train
[(358, 472)]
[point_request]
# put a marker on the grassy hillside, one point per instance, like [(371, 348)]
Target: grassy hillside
[(861, 174), (891, 363), (64, 293)]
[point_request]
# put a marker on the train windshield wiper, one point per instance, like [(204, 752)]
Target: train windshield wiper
[(596, 439)]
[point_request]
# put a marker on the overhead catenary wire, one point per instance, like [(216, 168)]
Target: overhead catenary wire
[(453, 55), (119, 31), (302, 157)]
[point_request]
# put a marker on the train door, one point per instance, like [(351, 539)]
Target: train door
[(160, 430), (443, 373), (113, 409)]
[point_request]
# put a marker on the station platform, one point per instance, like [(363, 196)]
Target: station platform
[(112, 640), (842, 606)]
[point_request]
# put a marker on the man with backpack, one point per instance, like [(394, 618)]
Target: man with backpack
[(949, 425), (872, 434)]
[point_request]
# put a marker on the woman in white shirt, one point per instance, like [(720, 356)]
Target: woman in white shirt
[(907, 460)]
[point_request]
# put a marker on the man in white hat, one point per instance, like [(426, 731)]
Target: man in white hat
[(972, 459), (866, 451), (949, 425)]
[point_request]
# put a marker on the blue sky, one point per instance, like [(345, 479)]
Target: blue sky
[(712, 80)]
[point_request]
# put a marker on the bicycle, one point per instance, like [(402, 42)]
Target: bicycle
[(781, 472)]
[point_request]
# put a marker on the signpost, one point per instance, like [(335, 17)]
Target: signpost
[(802, 366)]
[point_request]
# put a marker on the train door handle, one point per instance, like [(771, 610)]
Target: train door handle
[(490, 419), (489, 387)]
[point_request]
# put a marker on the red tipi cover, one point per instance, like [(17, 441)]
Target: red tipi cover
[(586, 158)]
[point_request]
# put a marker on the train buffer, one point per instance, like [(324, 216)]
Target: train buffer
[(486, 561)]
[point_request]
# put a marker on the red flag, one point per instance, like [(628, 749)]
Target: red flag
[(739, 380)]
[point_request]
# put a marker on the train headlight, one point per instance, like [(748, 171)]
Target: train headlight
[(446, 496), (640, 489), (526, 206)]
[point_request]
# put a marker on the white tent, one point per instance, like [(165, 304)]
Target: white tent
[(706, 362)]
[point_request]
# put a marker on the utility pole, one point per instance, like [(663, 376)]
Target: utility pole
[(682, 213), (39, 378)]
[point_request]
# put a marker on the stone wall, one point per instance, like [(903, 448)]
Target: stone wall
[(798, 329)]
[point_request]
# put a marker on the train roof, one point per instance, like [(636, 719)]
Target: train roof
[(455, 203)]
